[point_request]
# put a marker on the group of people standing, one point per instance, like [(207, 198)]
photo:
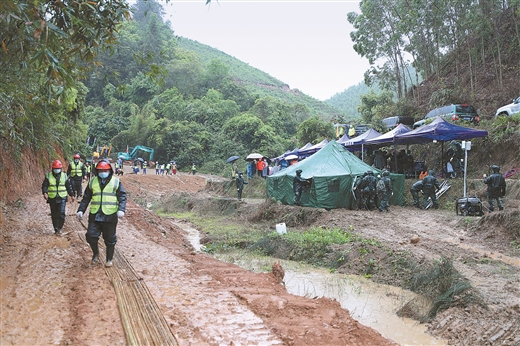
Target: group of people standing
[(371, 192), (104, 193), (169, 168)]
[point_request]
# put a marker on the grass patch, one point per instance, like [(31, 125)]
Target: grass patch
[(444, 286)]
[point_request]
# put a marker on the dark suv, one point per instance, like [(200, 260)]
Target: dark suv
[(391, 123), (454, 112), (360, 129)]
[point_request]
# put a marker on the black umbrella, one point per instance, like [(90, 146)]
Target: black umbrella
[(232, 159), (267, 159)]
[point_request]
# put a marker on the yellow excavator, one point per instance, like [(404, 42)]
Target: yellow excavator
[(102, 152)]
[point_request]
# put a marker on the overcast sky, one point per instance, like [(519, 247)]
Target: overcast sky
[(305, 44)]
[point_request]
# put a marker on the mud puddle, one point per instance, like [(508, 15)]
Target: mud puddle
[(372, 304)]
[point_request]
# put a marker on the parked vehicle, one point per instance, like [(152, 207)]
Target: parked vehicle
[(360, 129), (510, 109), (391, 123), (454, 112)]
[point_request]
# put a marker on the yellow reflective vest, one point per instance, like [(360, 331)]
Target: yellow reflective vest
[(105, 198), (57, 189), (76, 170)]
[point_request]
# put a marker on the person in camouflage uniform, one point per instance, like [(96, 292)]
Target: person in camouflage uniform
[(430, 186), (496, 188), (384, 191)]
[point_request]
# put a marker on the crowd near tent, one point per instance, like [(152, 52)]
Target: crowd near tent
[(333, 170)]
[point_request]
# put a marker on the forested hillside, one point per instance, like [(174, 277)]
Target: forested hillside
[(349, 99), (192, 103), (120, 76), (261, 83)]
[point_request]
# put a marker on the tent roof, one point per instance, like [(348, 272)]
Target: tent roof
[(343, 139), (439, 130), (389, 137), (332, 160), (314, 148), (357, 142)]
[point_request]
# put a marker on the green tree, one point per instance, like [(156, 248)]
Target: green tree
[(314, 130)]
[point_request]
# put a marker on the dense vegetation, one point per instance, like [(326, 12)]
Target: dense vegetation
[(130, 81)]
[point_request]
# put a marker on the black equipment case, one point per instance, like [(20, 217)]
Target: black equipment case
[(469, 206)]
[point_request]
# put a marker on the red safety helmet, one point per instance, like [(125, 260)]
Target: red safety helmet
[(56, 164), (102, 165), (77, 156)]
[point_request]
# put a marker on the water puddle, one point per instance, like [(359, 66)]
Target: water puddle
[(192, 234), (371, 304)]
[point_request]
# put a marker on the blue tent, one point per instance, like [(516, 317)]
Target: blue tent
[(343, 139), (311, 150), (356, 143), (389, 137), (439, 130)]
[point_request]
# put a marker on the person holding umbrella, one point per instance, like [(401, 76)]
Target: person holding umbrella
[(234, 167)]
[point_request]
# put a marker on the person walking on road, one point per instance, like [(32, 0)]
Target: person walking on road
[(496, 188), (77, 173), (56, 187), (107, 198), (430, 187), (240, 185)]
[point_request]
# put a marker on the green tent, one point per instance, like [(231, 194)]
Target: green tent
[(333, 170)]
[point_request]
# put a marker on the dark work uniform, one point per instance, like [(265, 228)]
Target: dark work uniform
[(99, 222), (298, 184), (77, 172), (63, 187), (414, 190), (240, 185), (430, 186), (496, 189), (368, 186)]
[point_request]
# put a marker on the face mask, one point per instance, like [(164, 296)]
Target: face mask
[(56, 171), (76, 161), (103, 175)]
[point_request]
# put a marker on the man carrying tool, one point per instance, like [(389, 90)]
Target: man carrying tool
[(107, 198), (55, 188), (496, 188)]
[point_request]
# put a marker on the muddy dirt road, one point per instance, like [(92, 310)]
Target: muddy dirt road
[(51, 294)]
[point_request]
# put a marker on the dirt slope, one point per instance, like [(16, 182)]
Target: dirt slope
[(52, 295)]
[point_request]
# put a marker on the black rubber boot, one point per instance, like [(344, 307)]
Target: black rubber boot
[(110, 255), (95, 253)]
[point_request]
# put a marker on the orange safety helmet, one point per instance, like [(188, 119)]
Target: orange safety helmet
[(103, 165), (77, 156), (56, 164)]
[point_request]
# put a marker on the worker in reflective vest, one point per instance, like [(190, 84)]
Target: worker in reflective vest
[(107, 198), (77, 172), (56, 187)]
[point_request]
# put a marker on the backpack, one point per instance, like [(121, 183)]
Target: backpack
[(380, 186)]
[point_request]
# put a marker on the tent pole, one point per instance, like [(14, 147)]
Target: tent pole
[(395, 158), (362, 153)]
